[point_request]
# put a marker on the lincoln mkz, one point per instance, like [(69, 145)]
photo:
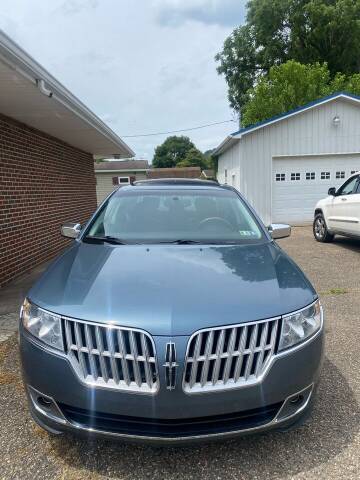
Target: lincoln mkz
[(174, 316)]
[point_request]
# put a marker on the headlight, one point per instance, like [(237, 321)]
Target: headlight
[(300, 325), (43, 325)]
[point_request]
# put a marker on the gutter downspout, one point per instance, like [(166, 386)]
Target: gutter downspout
[(40, 83)]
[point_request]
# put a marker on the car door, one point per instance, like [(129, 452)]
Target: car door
[(342, 215)]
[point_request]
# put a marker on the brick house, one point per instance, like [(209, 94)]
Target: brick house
[(48, 140), (111, 175)]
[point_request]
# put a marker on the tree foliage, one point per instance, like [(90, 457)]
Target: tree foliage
[(172, 151), (276, 31), (291, 85), (194, 158)]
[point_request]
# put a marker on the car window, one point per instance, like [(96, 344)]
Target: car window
[(160, 216), (348, 187), (358, 186)]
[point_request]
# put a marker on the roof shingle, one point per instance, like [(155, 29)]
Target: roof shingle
[(122, 165)]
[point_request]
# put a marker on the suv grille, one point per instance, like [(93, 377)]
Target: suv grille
[(229, 357), (112, 357)]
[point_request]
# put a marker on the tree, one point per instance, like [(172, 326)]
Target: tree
[(291, 85), (172, 151), (194, 158), (276, 31), (212, 161)]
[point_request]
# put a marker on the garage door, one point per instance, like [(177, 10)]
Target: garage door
[(299, 183)]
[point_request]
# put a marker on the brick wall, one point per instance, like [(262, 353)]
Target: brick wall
[(43, 183)]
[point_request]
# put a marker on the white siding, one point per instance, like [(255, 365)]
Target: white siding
[(309, 132), (230, 161)]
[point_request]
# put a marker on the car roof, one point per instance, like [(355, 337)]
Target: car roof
[(176, 182)]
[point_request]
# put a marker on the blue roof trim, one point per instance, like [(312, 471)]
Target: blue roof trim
[(295, 110)]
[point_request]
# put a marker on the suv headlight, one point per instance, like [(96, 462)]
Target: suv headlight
[(299, 326), (44, 325)]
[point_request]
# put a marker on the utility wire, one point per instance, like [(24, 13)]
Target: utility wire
[(176, 131)]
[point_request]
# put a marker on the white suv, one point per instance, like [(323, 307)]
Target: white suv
[(340, 212)]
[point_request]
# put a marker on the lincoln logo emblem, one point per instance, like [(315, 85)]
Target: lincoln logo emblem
[(170, 366)]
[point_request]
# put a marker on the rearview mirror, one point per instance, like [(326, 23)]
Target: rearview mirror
[(70, 230), (332, 191), (279, 230)]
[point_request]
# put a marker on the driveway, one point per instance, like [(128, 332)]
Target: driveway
[(327, 447)]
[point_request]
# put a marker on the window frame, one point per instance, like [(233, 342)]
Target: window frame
[(340, 175), (124, 183), (296, 175), (280, 177), (312, 176)]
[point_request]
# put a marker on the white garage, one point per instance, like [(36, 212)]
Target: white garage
[(286, 164)]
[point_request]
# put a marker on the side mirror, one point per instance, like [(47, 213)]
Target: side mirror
[(70, 230), (278, 230), (332, 191)]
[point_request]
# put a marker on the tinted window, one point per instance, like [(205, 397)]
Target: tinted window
[(153, 216)]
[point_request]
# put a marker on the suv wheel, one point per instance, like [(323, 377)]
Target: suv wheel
[(320, 230)]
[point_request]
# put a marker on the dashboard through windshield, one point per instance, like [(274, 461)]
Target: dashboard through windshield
[(208, 216)]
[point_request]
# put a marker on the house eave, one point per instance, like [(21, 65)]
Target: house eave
[(136, 170), (17, 60), (229, 141)]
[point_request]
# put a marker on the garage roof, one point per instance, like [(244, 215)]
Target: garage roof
[(122, 165), (235, 137), (32, 96)]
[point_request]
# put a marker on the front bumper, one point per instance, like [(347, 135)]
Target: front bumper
[(59, 402)]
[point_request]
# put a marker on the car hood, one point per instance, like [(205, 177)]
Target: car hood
[(172, 290)]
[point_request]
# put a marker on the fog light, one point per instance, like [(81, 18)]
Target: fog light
[(44, 402), (45, 405), (295, 404), (297, 399)]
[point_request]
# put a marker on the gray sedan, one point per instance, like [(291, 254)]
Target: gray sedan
[(173, 317)]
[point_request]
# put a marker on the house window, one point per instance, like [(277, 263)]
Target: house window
[(353, 171), (295, 176), (340, 174), (280, 177), (124, 180), (225, 173), (325, 176), (233, 180), (310, 175)]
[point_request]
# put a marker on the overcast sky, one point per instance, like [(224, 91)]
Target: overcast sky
[(142, 66)]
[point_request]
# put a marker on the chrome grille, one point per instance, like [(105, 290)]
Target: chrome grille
[(229, 357), (112, 357)]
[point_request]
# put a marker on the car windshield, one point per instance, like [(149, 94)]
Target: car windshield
[(175, 216)]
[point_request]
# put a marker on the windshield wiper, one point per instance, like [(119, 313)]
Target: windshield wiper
[(106, 238), (182, 242), (190, 242), (199, 242)]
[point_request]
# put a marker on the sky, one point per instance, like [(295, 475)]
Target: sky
[(142, 66)]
